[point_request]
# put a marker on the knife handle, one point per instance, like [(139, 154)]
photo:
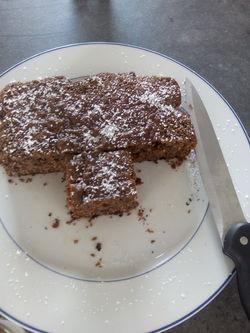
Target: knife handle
[(237, 247)]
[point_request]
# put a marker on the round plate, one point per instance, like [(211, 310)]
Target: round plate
[(152, 260)]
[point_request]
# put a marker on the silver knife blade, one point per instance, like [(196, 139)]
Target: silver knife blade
[(215, 175)]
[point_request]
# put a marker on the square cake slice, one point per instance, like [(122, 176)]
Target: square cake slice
[(100, 184), (31, 115)]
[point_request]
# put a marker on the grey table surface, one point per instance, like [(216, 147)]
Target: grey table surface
[(211, 37)]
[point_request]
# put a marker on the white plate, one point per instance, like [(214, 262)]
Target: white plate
[(51, 284)]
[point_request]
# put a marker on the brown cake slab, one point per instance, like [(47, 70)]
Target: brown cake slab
[(103, 122), (100, 184)]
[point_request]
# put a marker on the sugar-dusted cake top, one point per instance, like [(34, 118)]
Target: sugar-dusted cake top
[(103, 176), (102, 112)]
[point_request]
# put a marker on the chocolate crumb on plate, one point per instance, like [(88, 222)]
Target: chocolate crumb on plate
[(56, 223), (45, 184), (99, 263), (140, 214), (150, 230), (138, 181), (98, 246), (76, 241), (94, 238), (71, 221), (92, 254), (152, 241)]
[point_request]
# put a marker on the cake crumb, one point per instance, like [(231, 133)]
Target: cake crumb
[(94, 238), (46, 228), (63, 179), (28, 180), (98, 246), (92, 254), (10, 180), (139, 170), (188, 202), (120, 214), (140, 214), (50, 214), (99, 263), (150, 230), (92, 218), (70, 221), (76, 241), (56, 223), (189, 211), (44, 184), (138, 181), (152, 241)]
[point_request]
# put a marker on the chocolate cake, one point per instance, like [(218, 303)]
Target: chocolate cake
[(138, 113), (31, 117), (99, 184), (44, 123)]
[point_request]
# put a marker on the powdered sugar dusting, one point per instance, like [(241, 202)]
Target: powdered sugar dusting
[(106, 176), (55, 116), (109, 130)]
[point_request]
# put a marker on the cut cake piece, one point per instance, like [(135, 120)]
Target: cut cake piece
[(33, 119), (137, 113), (100, 184), (42, 121), (30, 116)]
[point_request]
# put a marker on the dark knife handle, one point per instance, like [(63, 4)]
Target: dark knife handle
[(237, 247)]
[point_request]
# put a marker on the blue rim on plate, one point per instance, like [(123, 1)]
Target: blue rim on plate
[(232, 274)]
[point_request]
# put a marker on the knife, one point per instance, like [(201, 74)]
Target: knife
[(233, 228)]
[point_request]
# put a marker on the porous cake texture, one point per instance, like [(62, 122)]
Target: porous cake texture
[(46, 125), (100, 184)]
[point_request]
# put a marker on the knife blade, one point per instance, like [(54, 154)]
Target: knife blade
[(232, 225)]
